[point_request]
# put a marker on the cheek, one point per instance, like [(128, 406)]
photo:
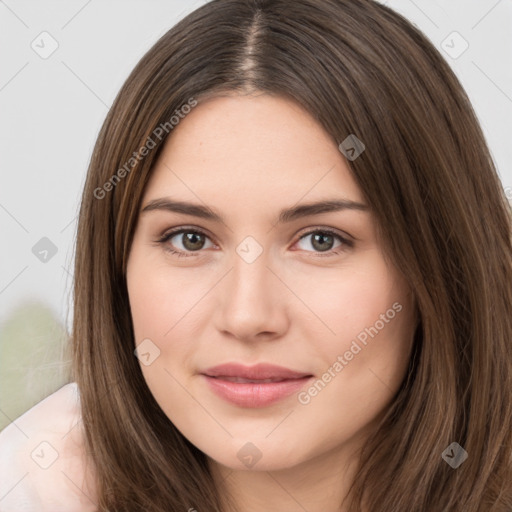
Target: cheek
[(162, 306), (361, 367), (168, 307), (161, 298), (342, 303), (363, 342)]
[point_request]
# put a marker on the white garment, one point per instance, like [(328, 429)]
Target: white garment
[(41, 458)]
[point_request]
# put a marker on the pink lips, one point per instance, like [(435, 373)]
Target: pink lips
[(254, 386)]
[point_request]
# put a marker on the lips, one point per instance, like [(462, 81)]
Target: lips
[(254, 386), (259, 372), (241, 380)]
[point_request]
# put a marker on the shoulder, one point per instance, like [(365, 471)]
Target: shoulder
[(42, 458)]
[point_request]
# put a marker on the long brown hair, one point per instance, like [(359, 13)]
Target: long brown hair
[(359, 68)]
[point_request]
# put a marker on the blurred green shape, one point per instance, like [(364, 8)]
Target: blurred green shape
[(33, 359)]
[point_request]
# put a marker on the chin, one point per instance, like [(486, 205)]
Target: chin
[(256, 456)]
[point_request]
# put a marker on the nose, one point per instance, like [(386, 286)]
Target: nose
[(253, 302)]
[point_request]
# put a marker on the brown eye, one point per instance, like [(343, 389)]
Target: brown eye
[(192, 241), (185, 241), (325, 241), (322, 241)]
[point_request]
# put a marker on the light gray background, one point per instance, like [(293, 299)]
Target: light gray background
[(52, 109)]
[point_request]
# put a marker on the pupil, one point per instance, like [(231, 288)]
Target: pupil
[(193, 238), (322, 236)]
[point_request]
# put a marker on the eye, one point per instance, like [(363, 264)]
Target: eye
[(323, 241), (191, 240)]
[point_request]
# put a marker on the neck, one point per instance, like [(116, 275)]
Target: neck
[(319, 484)]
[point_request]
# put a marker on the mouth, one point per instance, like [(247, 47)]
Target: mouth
[(258, 372), (241, 380), (254, 386)]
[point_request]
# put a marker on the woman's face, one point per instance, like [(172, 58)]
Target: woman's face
[(258, 278)]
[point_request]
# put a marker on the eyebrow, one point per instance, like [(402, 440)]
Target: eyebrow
[(286, 215)]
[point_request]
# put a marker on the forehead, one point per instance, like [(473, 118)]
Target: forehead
[(251, 151)]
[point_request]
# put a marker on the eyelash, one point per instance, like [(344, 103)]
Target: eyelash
[(346, 244)]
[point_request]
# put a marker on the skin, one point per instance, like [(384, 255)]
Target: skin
[(248, 157)]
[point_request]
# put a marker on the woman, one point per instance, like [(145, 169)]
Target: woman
[(292, 281)]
